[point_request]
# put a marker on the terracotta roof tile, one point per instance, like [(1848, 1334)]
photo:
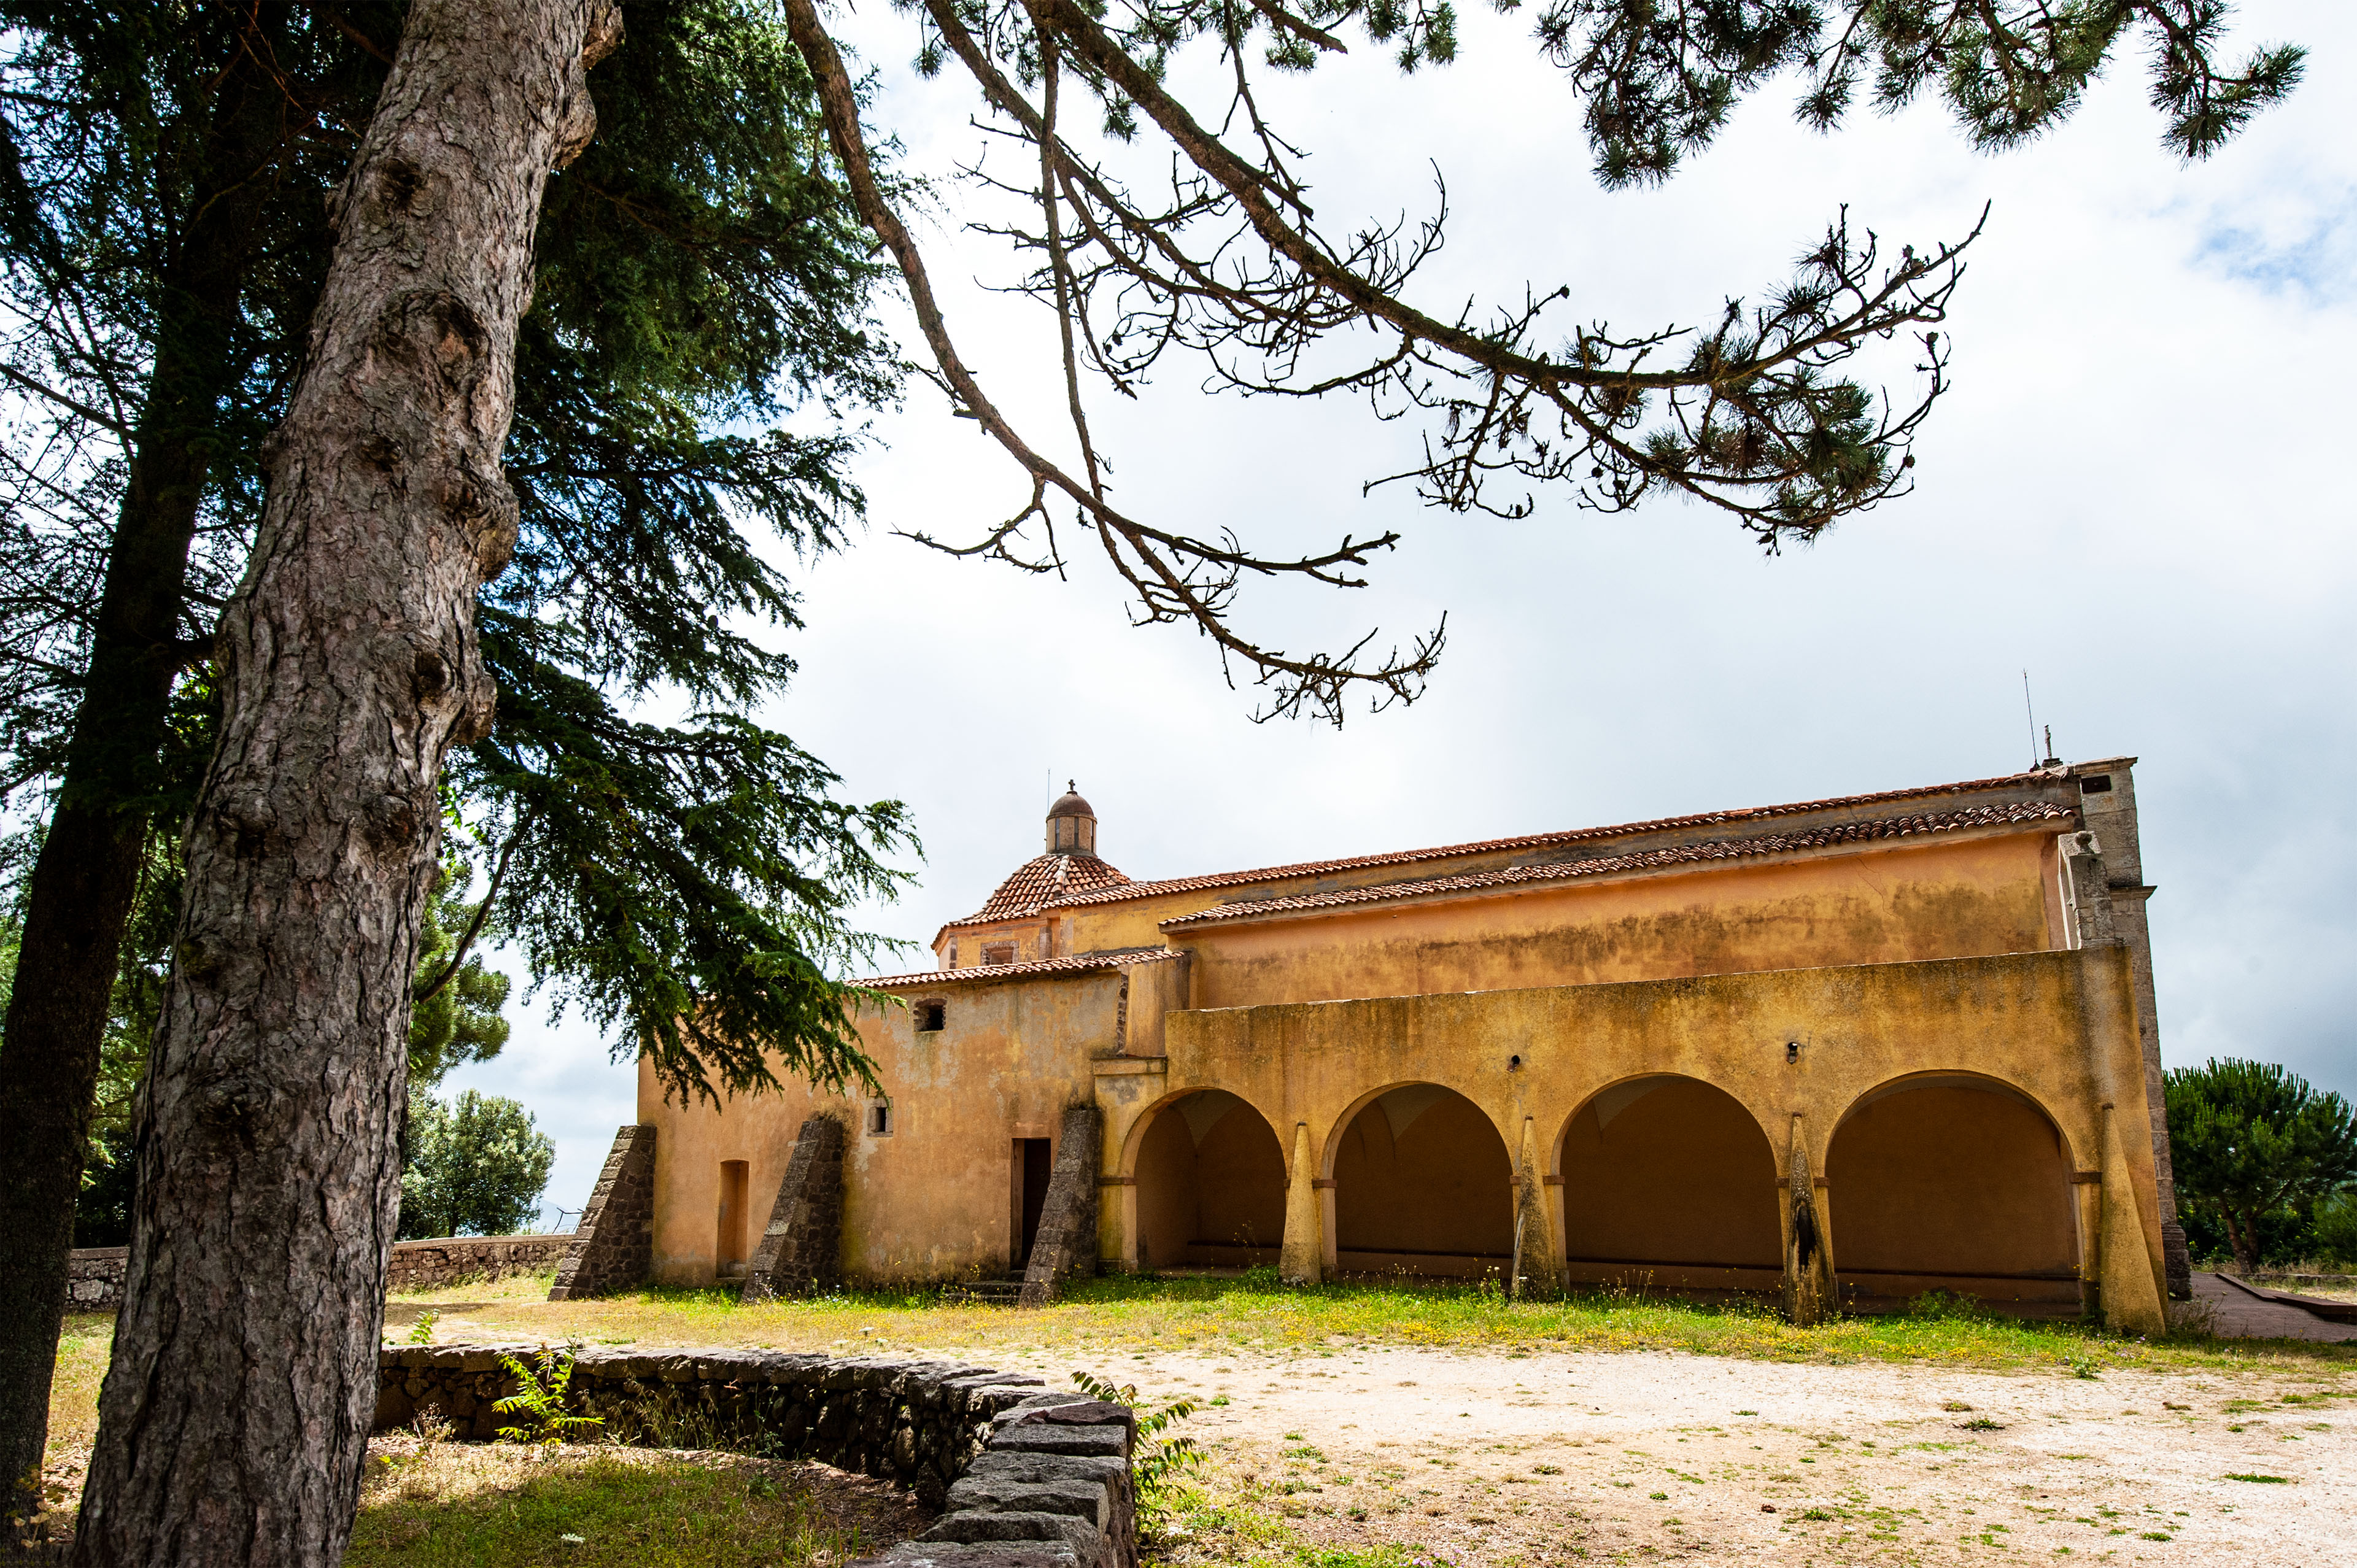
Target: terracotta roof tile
[(2002, 815), (1126, 889), (1049, 879), (1043, 968)]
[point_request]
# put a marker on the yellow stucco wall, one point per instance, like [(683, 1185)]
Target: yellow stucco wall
[(932, 1199), (1946, 897), (2058, 1027)]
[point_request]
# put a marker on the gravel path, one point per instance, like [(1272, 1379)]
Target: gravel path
[(1551, 1457)]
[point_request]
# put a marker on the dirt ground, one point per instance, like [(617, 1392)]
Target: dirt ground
[(1544, 1458)]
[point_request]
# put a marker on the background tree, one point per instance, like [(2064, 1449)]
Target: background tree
[(454, 1002), (2250, 1139), (690, 295), (476, 1167)]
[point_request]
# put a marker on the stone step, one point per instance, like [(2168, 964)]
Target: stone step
[(1006, 1291)]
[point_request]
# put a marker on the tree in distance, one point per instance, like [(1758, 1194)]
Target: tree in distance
[(350, 663), (477, 1166), (2250, 1138)]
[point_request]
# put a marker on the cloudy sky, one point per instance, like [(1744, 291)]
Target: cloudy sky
[(2136, 490)]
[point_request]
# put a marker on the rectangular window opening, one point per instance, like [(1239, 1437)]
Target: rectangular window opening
[(730, 1254), (2100, 784), (879, 1120), (931, 1016), (997, 952)]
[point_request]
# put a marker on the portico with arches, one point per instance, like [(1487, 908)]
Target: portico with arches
[(1840, 1053)]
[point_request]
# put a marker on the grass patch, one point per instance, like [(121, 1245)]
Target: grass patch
[(1119, 1315), (2269, 1481), (496, 1507)]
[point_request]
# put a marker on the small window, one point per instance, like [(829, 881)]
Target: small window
[(997, 952), (879, 1120), (2100, 784), (931, 1015)]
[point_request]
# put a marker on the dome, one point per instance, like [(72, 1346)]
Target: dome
[(1043, 881), (1071, 823)]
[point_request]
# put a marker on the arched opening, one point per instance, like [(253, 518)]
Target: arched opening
[(1211, 1186), (1422, 1185), (1670, 1183), (1952, 1183)]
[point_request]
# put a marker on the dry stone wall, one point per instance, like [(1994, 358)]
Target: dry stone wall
[(614, 1247), (94, 1274), (1027, 1477), (94, 1278), (1067, 1244), (801, 1247), (459, 1260)]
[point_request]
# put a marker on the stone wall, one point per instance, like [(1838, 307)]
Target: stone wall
[(94, 1274), (614, 1246), (457, 1259), (801, 1248), (94, 1278), (1066, 1247), (1022, 1472)]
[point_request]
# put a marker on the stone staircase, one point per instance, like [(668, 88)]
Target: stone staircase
[(1006, 1290)]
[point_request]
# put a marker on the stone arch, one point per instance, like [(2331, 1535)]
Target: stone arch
[(1953, 1181), (1210, 1183), (1669, 1182), (1423, 1184)]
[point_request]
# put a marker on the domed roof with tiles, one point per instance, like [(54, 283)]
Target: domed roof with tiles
[(1046, 880)]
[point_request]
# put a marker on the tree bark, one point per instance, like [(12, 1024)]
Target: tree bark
[(235, 1415), (2243, 1236), (87, 877)]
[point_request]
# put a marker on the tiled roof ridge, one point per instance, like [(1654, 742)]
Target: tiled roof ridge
[(1074, 963), (1040, 881), (1676, 855), (1130, 889)]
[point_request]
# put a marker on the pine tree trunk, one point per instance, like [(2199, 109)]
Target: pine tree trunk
[(2242, 1235), (235, 1415), (87, 876)]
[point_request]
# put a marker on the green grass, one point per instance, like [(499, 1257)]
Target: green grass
[(471, 1507), (1125, 1314)]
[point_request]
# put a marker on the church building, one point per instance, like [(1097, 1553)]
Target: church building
[(1839, 1052)]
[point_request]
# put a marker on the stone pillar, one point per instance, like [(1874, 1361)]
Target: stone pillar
[(2131, 1285), (1535, 1271), (2111, 812), (800, 1251), (2087, 1196), (614, 1246), (1808, 1294), (1302, 1260), (1066, 1247)]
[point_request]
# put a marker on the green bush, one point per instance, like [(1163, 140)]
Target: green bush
[(2336, 1229)]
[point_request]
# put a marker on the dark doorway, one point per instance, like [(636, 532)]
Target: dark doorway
[(1033, 1162)]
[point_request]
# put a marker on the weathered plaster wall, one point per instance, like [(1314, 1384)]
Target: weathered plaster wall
[(1939, 1181), (929, 1200), (2058, 1027), (1136, 921), (1677, 1177), (1940, 898), (1211, 1186), (1422, 1183)]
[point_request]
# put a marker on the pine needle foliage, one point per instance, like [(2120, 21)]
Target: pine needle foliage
[(689, 386), (2247, 1138), (1163, 214)]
